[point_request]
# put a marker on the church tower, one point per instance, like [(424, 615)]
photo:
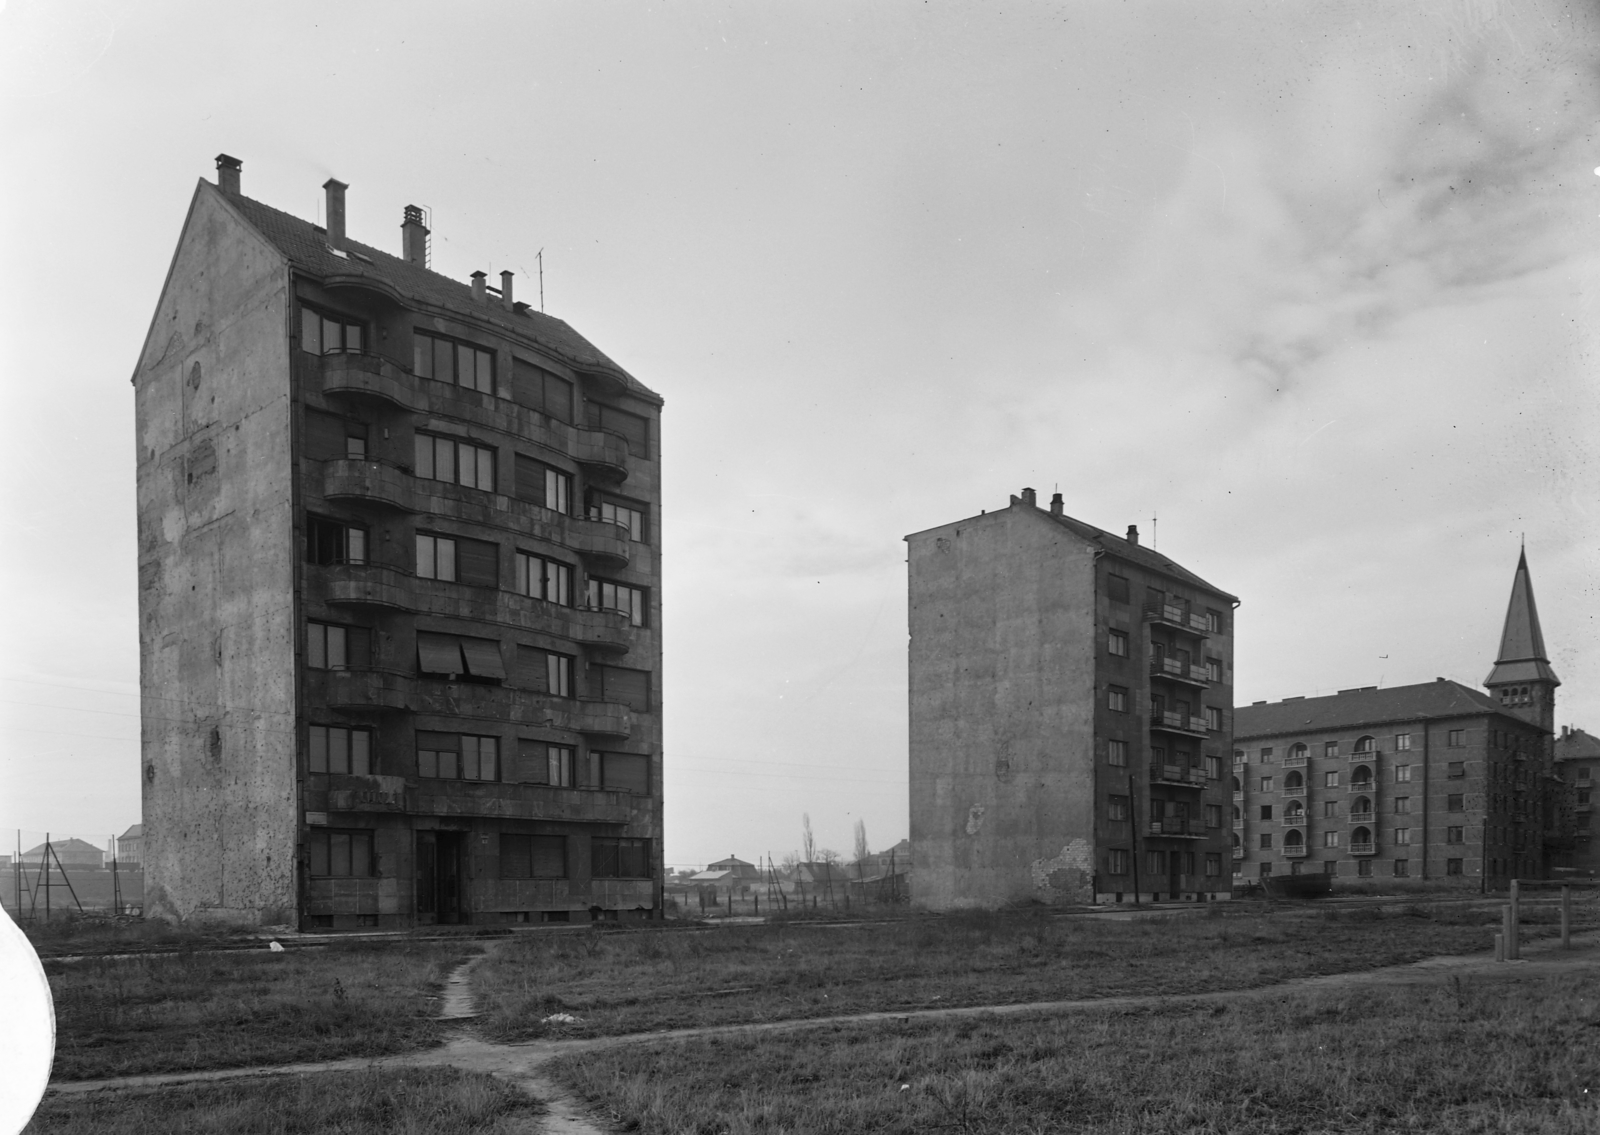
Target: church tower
[(1522, 679)]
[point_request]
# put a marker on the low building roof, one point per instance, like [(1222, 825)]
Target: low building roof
[(1368, 706), (1575, 744)]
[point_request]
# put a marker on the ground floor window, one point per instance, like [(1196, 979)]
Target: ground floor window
[(340, 855), (1117, 862), (1364, 868), (533, 856), (619, 858), (1266, 869), (1402, 868), (1331, 867), (1452, 867), (1213, 865)]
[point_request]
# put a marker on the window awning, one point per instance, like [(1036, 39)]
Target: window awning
[(483, 658), (439, 654)]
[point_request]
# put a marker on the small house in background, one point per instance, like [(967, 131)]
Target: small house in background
[(127, 848), (66, 853), (726, 877)]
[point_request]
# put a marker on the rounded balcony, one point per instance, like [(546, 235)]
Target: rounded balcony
[(601, 454), (367, 377), (369, 482), (358, 691), (369, 585), (603, 543)]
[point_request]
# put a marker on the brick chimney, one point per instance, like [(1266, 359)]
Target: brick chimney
[(335, 211), (1030, 498), (1055, 505), (228, 173), (414, 237), (505, 290), (480, 291), (1133, 534)]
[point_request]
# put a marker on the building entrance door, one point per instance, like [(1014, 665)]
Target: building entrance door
[(440, 887)]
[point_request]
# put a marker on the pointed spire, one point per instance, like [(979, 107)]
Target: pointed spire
[(1522, 655)]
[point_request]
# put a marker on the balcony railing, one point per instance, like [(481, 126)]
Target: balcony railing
[(1295, 851), (1189, 829), (1362, 786), (1295, 760), (1359, 818), (370, 585), (1367, 848), (1179, 671), (380, 690), (1239, 794), (1177, 774), (1173, 615), (367, 376), (1367, 755), (1179, 723), (364, 481), (1298, 820), (1297, 790)]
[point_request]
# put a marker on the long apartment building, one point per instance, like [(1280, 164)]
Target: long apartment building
[(399, 589), (1071, 713), (1434, 781)]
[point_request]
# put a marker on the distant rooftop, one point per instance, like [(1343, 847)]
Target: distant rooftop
[(1361, 706)]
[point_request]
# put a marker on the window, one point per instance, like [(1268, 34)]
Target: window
[(1117, 753), (622, 772), (1266, 811), (1455, 835), (1117, 808), (323, 334), (1402, 742), (544, 485), (458, 756), (452, 656), (1402, 805), (1214, 622), (1155, 863), (625, 514), (1213, 865), (533, 856), (630, 427), (1456, 769), (1266, 754), (544, 671), (618, 684), (1266, 784), (541, 763), (1214, 669), (1455, 802), (1583, 795), (1330, 809), (1117, 862), (1213, 717), (537, 389), (1266, 841), (436, 557), (608, 595), (1402, 774), (1364, 867), (1213, 767), (1264, 870), (336, 749), (1583, 773), (1452, 866), (1117, 644), (1402, 868), (459, 462), (1457, 738), (539, 578), (1330, 780), (1330, 748), (445, 360), (1213, 815), (331, 542), (1117, 588), (339, 855), (1330, 839), (1117, 699), (329, 437), (330, 647), (1402, 836), (619, 858)]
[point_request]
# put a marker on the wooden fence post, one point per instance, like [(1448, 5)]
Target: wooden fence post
[(1566, 918)]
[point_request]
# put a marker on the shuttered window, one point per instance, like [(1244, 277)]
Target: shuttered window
[(618, 684), (452, 656), (630, 427), (539, 578), (533, 856), (329, 437), (478, 563), (625, 772), (537, 389), (483, 659), (451, 459), (544, 485), (619, 858), (336, 749), (544, 671), (448, 360)]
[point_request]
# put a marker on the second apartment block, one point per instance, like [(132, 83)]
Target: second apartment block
[(1071, 711)]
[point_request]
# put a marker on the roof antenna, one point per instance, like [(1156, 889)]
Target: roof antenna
[(1155, 533), (539, 256)]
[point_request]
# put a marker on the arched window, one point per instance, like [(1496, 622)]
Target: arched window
[(1293, 838), (1361, 836), (1294, 780), (1364, 745), (1297, 752), (1361, 777), (1237, 787), (1237, 815), (1236, 842), (1294, 812), (1362, 806)]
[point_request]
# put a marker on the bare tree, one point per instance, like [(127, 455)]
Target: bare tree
[(862, 850), (808, 842)]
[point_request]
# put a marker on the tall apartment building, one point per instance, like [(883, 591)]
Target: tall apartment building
[(1071, 708), (399, 590), (1578, 766), (1429, 781)]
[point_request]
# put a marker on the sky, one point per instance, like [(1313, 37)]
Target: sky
[(1307, 292)]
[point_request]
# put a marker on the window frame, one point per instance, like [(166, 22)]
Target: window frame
[(1117, 699), (596, 590), (458, 765), (431, 558), (428, 446), (354, 741), (326, 837), (425, 363), (1116, 752), (562, 572), (346, 324), (1117, 644), (611, 856)]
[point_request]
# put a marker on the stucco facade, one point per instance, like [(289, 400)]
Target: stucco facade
[(1059, 749), (399, 590)]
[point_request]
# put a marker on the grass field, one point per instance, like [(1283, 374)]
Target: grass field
[(1454, 1057), (193, 1010), (435, 1101), (621, 982)]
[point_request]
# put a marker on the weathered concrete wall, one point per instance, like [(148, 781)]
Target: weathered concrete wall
[(216, 575), (1002, 719)]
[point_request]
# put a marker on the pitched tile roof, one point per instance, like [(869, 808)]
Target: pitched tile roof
[(1138, 554), (1576, 744), (1442, 698), (306, 247)]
